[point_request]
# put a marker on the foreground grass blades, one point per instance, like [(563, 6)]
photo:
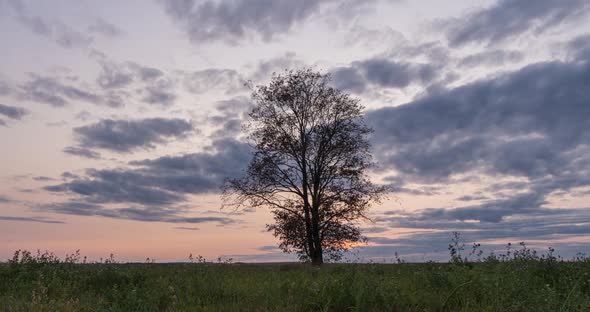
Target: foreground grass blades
[(518, 285)]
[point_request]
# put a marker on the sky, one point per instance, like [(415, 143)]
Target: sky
[(119, 121)]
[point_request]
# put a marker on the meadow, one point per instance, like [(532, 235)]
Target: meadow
[(517, 281)]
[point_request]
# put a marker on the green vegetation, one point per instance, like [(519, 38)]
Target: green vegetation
[(518, 281)]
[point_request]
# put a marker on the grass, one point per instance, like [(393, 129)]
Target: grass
[(522, 281)]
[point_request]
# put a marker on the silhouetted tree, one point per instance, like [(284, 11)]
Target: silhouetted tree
[(309, 166)]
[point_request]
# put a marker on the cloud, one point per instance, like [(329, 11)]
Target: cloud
[(433, 231), (375, 229), (30, 219), (472, 198), (52, 91), (160, 92), (510, 18), (5, 87), (375, 37), (214, 78), (199, 172), (55, 30), (530, 124), (435, 52), (68, 175), (524, 227), (579, 47), (494, 210), (187, 228), (104, 28), (383, 73), (119, 75), (149, 73), (43, 179), (492, 58), (155, 189), (230, 116), (115, 75), (397, 185), (129, 135), (12, 112), (117, 186), (137, 214), (162, 181), (82, 152), (349, 79), (116, 83), (66, 36), (58, 31), (387, 73), (236, 20), (115, 78), (265, 68), (268, 248), (512, 124), (4, 200)]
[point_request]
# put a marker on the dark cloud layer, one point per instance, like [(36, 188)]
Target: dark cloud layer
[(162, 181), (349, 79), (155, 189), (543, 226), (532, 124), (230, 116), (383, 73), (129, 135), (12, 112), (30, 219), (42, 179), (81, 152), (509, 18), (137, 214), (234, 20), (4, 199), (434, 228), (387, 73), (513, 124), (579, 47)]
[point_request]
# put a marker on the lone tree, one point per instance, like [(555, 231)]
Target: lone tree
[(309, 166)]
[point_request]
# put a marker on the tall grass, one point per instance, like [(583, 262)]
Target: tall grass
[(519, 280)]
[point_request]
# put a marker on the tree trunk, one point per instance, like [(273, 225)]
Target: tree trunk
[(308, 214), (318, 257), (308, 232)]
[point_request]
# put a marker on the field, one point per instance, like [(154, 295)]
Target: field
[(522, 283)]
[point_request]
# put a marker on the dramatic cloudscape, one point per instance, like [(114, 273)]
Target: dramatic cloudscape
[(119, 121)]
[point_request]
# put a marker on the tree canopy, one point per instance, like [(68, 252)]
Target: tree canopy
[(310, 163)]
